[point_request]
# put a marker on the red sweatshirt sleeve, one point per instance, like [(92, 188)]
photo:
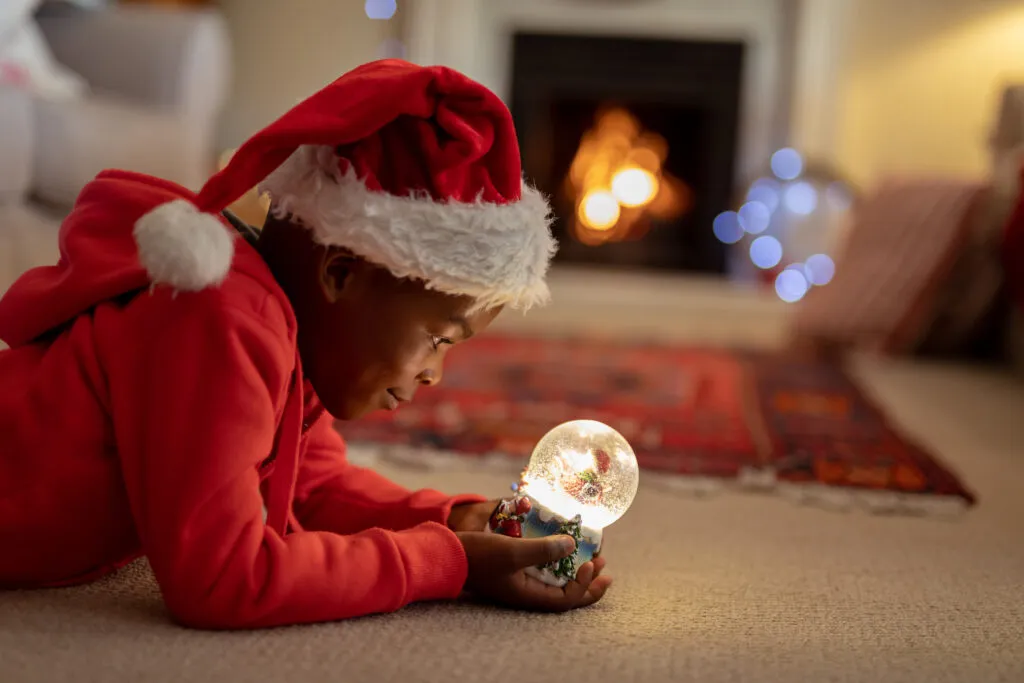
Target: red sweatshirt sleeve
[(196, 385), (333, 495)]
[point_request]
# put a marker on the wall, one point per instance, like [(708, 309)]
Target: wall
[(921, 84), (285, 50)]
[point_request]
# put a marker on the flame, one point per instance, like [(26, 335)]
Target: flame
[(617, 180), (599, 210), (634, 186)]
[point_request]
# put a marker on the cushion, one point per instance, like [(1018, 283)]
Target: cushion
[(1013, 263), (902, 245)]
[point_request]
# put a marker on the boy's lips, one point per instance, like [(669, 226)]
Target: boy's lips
[(393, 400)]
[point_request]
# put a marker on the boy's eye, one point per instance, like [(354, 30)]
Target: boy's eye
[(437, 342)]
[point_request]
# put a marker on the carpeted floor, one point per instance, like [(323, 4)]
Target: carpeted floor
[(734, 588)]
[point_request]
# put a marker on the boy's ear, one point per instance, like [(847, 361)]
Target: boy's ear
[(336, 271)]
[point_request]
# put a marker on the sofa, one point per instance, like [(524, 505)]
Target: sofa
[(158, 80), (16, 135)]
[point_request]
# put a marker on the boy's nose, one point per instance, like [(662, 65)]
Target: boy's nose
[(429, 377)]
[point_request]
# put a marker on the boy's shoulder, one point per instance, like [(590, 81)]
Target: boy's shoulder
[(250, 287)]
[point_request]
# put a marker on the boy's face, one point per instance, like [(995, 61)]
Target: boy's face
[(375, 340), (368, 340)]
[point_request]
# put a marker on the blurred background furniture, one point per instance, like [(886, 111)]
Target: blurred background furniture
[(16, 126), (158, 80)]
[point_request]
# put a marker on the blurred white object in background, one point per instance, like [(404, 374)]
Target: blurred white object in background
[(16, 137), (159, 79), (26, 61)]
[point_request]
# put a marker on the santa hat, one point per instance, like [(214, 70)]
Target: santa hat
[(413, 168)]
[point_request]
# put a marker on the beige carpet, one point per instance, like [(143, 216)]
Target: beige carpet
[(733, 588), (738, 587)]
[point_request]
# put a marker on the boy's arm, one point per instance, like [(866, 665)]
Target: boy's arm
[(333, 495), (195, 386)]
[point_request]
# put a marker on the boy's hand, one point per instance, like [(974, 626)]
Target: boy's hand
[(472, 516), (496, 565)]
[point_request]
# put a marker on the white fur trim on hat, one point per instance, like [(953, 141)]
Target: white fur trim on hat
[(497, 254), (183, 248)]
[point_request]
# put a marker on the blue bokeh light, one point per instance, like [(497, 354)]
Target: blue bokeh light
[(819, 269), (801, 198), (381, 9), (727, 227), (766, 191), (766, 252), (755, 217), (787, 164), (791, 285)]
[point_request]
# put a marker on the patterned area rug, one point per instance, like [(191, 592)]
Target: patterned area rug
[(703, 415)]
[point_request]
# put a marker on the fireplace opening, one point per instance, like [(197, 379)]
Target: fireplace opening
[(634, 141)]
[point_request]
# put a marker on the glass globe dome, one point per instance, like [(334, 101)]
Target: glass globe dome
[(583, 467)]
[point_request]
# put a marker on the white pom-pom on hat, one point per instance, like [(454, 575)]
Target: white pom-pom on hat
[(183, 247)]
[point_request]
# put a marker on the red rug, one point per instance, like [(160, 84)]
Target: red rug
[(697, 412)]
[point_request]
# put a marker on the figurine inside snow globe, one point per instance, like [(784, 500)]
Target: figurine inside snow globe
[(582, 477)]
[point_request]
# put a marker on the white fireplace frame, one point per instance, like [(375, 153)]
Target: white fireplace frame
[(792, 61)]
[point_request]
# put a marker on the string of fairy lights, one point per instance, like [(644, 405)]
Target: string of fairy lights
[(784, 206)]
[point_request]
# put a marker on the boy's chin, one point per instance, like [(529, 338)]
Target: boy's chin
[(356, 410), (355, 407)]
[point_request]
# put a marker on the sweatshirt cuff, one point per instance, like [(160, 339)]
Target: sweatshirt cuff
[(435, 563)]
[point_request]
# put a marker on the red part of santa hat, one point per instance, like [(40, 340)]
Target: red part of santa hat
[(413, 168)]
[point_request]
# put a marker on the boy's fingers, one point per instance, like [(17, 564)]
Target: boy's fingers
[(532, 552), (596, 591), (540, 596), (576, 590), (599, 563)]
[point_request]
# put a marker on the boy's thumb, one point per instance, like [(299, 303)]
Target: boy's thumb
[(533, 552)]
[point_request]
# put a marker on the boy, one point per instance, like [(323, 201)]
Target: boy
[(170, 386)]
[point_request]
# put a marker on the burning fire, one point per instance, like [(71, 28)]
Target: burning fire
[(618, 181)]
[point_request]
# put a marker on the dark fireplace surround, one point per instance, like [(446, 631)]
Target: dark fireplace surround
[(687, 91)]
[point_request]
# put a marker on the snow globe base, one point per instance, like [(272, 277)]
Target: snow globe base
[(523, 517)]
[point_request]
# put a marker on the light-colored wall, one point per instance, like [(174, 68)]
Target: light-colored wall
[(285, 50), (921, 84), (914, 91)]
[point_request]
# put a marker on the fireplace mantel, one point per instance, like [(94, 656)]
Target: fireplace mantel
[(475, 37)]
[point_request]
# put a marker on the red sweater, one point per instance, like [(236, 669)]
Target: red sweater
[(142, 422)]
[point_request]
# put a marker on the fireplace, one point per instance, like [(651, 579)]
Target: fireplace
[(635, 142)]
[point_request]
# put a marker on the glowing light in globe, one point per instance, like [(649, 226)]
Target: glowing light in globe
[(727, 227), (599, 210), (755, 217), (791, 285), (634, 186), (801, 198), (380, 9), (765, 191), (583, 467), (787, 164), (766, 252), (819, 269)]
